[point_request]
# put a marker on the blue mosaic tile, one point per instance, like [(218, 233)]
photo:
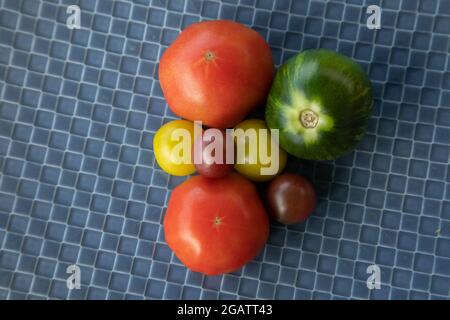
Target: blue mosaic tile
[(78, 182)]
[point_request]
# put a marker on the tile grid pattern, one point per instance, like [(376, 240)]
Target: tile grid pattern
[(78, 181)]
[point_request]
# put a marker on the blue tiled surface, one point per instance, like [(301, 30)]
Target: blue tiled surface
[(79, 184)]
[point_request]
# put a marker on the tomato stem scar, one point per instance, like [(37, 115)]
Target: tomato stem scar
[(217, 221), (309, 118), (209, 55)]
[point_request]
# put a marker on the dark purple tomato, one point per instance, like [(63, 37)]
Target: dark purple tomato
[(291, 198), (213, 154)]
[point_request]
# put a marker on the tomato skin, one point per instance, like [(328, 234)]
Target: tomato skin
[(215, 226), (251, 170), (217, 72), (291, 198), (163, 146), (208, 167)]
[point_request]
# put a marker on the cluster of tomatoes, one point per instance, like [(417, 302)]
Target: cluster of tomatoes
[(217, 72)]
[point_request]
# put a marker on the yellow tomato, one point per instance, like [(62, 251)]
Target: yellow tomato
[(254, 157), (172, 145)]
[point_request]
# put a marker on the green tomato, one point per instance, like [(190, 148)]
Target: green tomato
[(254, 157), (172, 145), (321, 101)]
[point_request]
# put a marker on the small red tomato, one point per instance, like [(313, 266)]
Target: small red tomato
[(210, 154), (291, 198), (215, 226)]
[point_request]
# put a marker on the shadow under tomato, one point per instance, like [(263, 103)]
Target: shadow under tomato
[(330, 180)]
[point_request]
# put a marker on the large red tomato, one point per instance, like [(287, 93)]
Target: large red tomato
[(216, 72), (215, 226)]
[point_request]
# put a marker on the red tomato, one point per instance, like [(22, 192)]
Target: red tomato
[(216, 72), (215, 226), (208, 166)]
